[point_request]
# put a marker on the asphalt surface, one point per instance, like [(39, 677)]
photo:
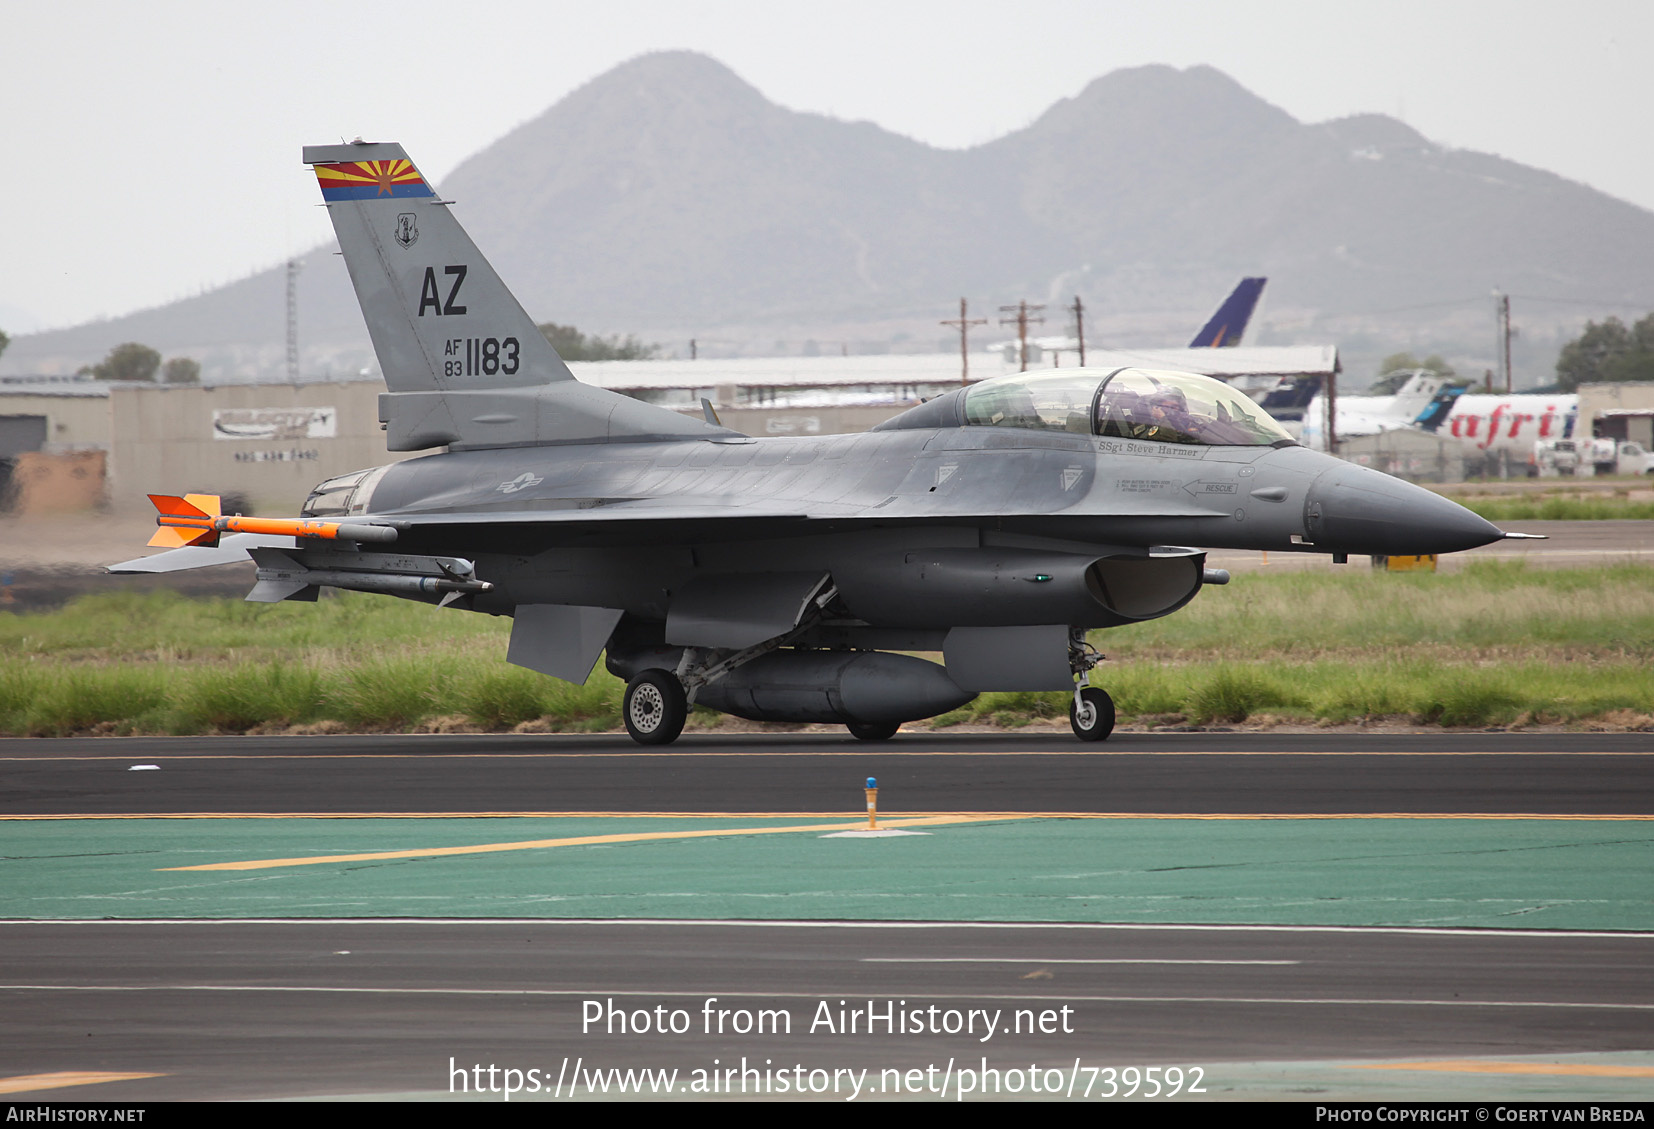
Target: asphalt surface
[(322, 1008), (259, 1009), (1314, 773)]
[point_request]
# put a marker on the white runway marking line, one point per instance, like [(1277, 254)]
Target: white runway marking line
[(729, 993), (1059, 960)]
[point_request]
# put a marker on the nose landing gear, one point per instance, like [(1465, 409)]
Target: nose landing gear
[(1091, 713)]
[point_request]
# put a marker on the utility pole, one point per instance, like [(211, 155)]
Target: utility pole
[(293, 321), (1079, 326), (1501, 304), (964, 323), (1021, 309), (1331, 401)]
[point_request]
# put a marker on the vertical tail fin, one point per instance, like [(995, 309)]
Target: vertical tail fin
[(439, 316), (463, 361), (1229, 323)]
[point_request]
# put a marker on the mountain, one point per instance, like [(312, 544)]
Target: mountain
[(669, 196)]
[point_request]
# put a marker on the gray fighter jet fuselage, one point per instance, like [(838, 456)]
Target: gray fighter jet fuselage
[(773, 578), (755, 504)]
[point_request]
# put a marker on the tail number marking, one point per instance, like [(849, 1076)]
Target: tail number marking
[(429, 296), (480, 356)]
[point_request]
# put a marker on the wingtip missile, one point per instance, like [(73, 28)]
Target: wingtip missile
[(198, 519)]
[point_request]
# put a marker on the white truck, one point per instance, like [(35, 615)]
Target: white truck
[(1586, 457)]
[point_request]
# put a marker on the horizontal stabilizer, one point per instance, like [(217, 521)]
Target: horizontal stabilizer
[(230, 550)]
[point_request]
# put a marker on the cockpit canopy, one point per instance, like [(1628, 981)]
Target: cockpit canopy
[(1161, 407)]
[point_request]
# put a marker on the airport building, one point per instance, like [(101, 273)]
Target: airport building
[(69, 443), (1623, 411)]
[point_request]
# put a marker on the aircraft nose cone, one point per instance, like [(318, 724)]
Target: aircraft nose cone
[(1353, 509)]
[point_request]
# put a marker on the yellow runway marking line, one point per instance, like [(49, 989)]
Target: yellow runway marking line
[(954, 815), (580, 840), (1471, 1066), (23, 1083)]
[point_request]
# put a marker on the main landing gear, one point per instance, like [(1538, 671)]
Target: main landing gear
[(870, 731), (655, 707)]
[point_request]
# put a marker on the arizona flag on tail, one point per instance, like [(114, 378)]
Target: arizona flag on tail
[(371, 180)]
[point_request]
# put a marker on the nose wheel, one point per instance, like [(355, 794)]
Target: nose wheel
[(655, 708), (1091, 711), (1091, 714)]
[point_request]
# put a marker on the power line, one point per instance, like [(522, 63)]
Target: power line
[(1649, 305)]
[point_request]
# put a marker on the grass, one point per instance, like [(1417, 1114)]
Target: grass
[(1339, 691), (380, 695), (1488, 611), (1496, 643), (1560, 506)]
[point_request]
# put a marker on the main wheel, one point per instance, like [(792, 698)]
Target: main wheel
[(1093, 716), (870, 731), (655, 708)]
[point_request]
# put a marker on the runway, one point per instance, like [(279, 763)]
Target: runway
[(371, 1008), (1328, 916), (1270, 773)]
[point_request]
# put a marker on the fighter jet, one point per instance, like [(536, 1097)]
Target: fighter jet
[(778, 578)]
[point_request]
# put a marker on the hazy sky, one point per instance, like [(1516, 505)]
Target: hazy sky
[(152, 150)]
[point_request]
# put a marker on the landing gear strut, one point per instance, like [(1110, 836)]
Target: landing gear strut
[(655, 707), (1091, 713)]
